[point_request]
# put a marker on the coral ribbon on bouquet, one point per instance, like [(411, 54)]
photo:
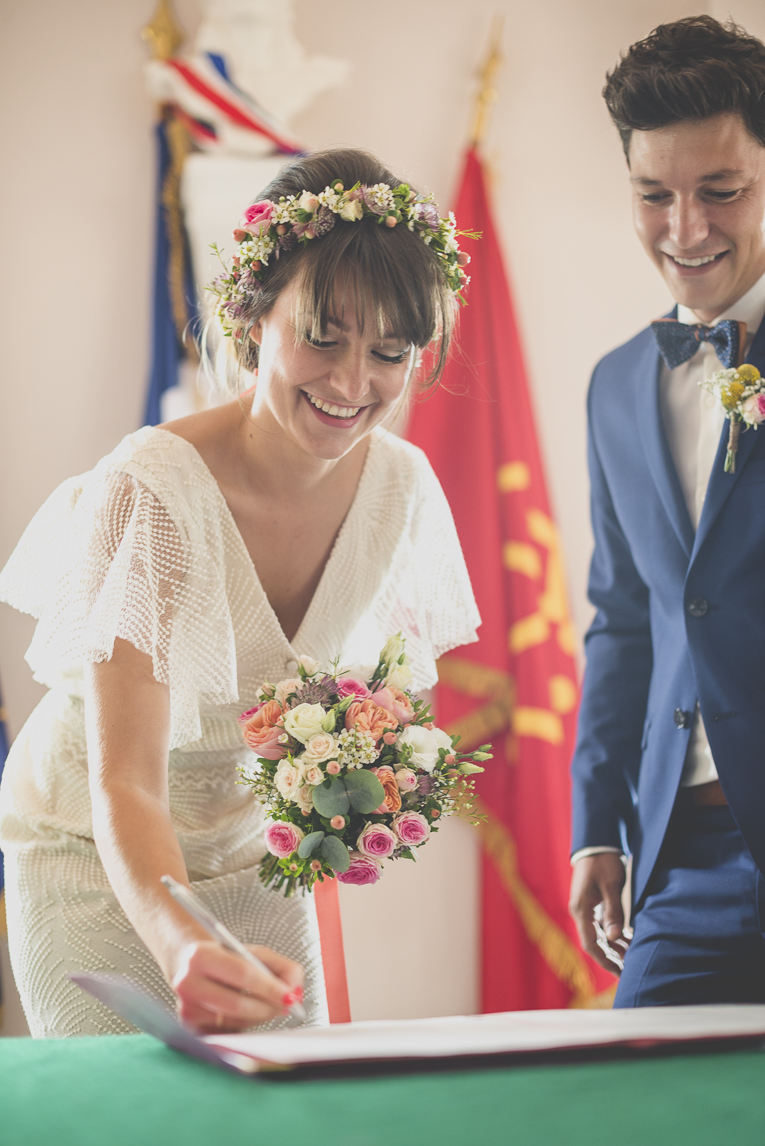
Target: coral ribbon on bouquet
[(332, 951)]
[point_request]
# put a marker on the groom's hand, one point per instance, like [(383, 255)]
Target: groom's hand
[(596, 905)]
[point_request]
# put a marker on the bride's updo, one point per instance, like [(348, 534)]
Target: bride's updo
[(387, 273)]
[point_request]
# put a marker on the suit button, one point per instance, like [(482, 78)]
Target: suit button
[(682, 719), (698, 607)]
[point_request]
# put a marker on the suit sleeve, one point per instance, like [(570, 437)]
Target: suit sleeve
[(617, 677)]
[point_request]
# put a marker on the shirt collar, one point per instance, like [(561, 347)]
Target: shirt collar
[(750, 308)]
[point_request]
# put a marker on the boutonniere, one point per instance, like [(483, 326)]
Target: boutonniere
[(742, 394)]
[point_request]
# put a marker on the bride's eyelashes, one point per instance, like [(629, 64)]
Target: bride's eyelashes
[(394, 359)]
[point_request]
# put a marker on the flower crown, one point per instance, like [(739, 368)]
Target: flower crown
[(268, 228)]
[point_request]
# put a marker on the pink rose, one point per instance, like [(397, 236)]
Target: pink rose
[(396, 702), (411, 828), (755, 408), (363, 870), (350, 686), (406, 779), (377, 841), (261, 731), (282, 838), (258, 217)]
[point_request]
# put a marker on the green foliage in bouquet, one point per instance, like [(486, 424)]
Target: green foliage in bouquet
[(351, 772)]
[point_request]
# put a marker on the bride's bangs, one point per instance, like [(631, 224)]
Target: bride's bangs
[(387, 275)]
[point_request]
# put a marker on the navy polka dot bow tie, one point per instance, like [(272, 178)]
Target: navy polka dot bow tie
[(677, 341)]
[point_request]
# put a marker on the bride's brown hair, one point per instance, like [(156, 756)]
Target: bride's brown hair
[(390, 274)]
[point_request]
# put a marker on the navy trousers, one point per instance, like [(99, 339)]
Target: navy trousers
[(699, 936)]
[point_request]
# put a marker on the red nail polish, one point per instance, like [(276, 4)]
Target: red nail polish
[(298, 993), (289, 998)]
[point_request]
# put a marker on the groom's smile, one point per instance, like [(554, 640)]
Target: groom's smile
[(699, 209)]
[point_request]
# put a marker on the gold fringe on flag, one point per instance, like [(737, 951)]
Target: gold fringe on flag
[(561, 955)]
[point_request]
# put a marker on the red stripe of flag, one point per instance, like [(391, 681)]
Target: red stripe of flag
[(235, 114)]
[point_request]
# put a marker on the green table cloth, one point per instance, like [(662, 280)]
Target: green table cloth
[(115, 1091)]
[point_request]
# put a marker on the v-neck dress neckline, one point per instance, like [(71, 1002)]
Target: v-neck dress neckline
[(320, 593)]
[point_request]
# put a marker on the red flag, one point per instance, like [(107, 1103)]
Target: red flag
[(518, 686)]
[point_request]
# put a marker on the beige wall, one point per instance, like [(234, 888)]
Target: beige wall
[(76, 235)]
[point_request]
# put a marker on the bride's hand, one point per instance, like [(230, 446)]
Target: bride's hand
[(219, 991)]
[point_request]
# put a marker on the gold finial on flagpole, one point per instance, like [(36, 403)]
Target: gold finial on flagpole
[(164, 34), (487, 93)]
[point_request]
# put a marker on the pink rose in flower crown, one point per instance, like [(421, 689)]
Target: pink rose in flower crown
[(261, 731), (411, 828), (350, 686), (257, 218), (362, 871), (377, 842), (283, 838), (396, 702)]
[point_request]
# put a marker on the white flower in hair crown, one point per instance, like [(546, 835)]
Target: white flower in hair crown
[(269, 228)]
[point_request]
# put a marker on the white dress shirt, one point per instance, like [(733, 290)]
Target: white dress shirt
[(693, 421)]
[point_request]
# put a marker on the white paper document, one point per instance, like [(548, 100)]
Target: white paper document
[(514, 1032)]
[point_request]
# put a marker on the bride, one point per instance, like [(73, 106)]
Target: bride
[(200, 558)]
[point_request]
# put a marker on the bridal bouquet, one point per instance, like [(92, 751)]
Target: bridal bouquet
[(352, 771)]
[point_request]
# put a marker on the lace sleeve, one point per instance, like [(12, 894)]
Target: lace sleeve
[(429, 597), (103, 559)]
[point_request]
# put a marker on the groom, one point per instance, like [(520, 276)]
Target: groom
[(670, 760)]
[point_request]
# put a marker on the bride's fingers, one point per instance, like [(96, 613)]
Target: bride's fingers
[(290, 972), (206, 1022), (218, 999), (221, 981)]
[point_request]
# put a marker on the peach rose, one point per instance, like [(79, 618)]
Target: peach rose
[(366, 716), (261, 731), (392, 801)]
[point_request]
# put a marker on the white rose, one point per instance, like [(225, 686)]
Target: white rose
[(304, 721), (424, 746), (309, 665), (312, 774), (303, 797), (319, 748), (351, 210), (285, 687), (399, 676), (286, 780)]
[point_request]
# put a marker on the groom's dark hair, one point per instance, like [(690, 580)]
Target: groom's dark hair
[(688, 70)]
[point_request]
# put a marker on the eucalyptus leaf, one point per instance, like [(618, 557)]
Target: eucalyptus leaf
[(309, 845), (331, 799), (364, 791), (334, 852)]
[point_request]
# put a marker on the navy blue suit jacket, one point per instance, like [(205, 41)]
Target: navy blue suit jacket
[(647, 655)]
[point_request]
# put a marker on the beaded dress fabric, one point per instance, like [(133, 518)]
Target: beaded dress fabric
[(145, 548)]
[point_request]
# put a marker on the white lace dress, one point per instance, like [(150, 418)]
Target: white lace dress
[(145, 548)]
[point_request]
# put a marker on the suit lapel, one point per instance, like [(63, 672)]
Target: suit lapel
[(721, 484), (651, 429)]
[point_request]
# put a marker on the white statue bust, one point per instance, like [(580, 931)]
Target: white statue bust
[(266, 59)]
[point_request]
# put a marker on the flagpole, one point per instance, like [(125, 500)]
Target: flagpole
[(487, 93)]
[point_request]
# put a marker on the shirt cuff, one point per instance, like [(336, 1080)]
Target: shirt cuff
[(583, 852)]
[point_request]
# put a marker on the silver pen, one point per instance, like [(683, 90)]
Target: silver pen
[(218, 931)]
